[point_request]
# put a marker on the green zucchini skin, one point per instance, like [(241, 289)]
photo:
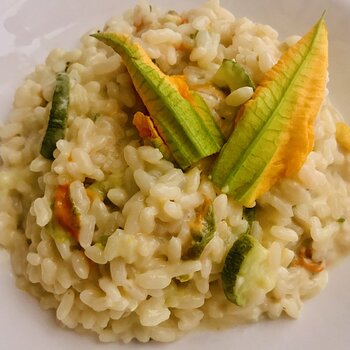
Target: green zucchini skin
[(233, 263), (249, 214), (232, 75), (247, 271), (58, 117)]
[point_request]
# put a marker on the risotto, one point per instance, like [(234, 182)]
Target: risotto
[(126, 274)]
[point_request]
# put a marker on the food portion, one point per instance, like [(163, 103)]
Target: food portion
[(188, 131), (175, 170), (274, 131), (57, 124), (246, 270)]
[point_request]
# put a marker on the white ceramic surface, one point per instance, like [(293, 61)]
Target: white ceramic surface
[(29, 29)]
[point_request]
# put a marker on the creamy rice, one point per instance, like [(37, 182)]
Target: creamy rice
[(137, 285)]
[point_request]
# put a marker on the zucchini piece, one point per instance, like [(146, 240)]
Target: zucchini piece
[(230, 78), (232, 75), (245, 270), (57, 124), (249, 214), (203, 236), (101, 188)]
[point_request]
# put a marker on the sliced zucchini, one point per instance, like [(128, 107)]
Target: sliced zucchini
[(249, 214), (232, 75), (57, 124), (101, 188), (245, 270)]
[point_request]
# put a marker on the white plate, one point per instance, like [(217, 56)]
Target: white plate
[(29, 30)]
